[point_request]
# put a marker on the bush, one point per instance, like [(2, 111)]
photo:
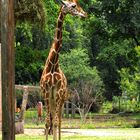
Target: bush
[(106, 107), (121, 104)]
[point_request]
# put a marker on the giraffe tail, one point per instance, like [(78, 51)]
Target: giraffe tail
[(52, 98)]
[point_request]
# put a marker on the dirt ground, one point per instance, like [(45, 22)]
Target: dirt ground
[(87, 132)]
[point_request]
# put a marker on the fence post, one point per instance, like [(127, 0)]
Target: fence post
[(24, 103), (73, 108), (19, 126), (7, 67), (67, 109)]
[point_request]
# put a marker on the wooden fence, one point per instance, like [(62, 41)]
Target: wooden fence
[(69, 108)]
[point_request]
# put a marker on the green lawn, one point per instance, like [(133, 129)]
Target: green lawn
[(114, 134), (115, 122), (22, 137), (105, 134), (124, 125), (82, 138), (135, 116)]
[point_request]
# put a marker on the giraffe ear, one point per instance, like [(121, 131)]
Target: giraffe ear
[(75, 1)]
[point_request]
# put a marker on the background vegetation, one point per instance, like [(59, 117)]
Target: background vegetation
[(103, 50)]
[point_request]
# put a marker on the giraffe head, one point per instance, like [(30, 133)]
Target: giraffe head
[(72, 7)]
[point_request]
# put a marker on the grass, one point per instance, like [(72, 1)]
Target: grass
[(115, 134), (50, 138), (81, 138), (117, 122), (97, 121), (77, 124), (135, 116), (112, 134)]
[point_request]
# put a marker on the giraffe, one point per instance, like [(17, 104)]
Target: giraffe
[(53, 82)]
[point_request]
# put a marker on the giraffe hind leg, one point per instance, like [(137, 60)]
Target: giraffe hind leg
[(59, 124), (51, 125), (47, 128), (59, 127), (55, 126), (47, 125)]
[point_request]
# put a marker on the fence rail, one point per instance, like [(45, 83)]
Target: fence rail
[(29, 88)]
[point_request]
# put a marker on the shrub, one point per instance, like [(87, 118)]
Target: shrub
[(106, 107)]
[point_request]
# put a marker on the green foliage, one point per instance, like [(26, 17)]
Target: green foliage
[(106, 107), (125, 104), (113, 30), (82, 79), (23, 33), (129, 83), (52, 10), (75, 65), (130, 78), (31, 36), (32, 11), (28, 64), (122, 16), (73, 36)]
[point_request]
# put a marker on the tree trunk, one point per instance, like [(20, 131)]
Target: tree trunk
[(19, 125), (0, 93), (7, 69)]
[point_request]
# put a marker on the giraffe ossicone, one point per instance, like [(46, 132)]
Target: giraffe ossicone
[(53, 82)]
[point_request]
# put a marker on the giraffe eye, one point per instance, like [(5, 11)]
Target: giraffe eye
[(74, 6)]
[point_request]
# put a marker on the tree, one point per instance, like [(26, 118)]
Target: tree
[(31, 11), (28, 64), (83, 80), (130, 77), (112, 27), (87, 93), (29, 15), (122, 17)]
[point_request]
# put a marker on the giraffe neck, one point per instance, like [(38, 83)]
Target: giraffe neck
[(58, 32), (57, 43)]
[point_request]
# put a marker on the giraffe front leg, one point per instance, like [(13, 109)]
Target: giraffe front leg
[(57, 121), (55, 126), (47, 125), (59, 127)]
